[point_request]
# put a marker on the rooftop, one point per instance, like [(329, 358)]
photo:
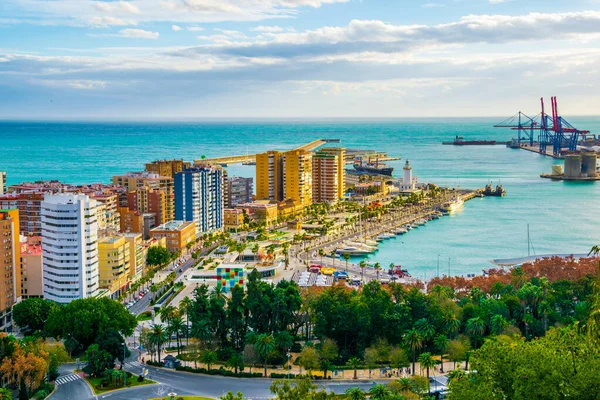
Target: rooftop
[(173, 226)]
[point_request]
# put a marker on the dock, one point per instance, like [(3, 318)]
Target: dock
[(511, 262), (569, 179), (251, 158), (536, 149)]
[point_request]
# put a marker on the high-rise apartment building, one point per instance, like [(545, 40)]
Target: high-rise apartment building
[(239, 191), (29, 206), (199, 197), (167, 167), (297, 177), (328, 175), (69, 247), (137, 255), (10, 280), (138, 180), (269, 176), (114, 264), (146, 200), (31, 267)]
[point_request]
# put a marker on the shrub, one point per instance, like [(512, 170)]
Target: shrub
[(155, 363), (140, 378)]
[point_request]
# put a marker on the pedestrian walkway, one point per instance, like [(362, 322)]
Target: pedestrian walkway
[(134, 364), (66, 379)]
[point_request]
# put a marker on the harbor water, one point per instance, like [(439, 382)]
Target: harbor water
[(564, 217)]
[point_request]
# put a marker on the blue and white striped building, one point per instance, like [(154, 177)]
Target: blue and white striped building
[(199, 198)]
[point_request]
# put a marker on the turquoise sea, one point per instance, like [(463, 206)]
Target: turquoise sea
[(564, 217)]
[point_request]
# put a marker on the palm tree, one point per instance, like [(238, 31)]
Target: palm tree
[(379, 392), (362, 265), (355, 394), (255, 250), (451, 323), (177, 326), (286, 252), (321, 254), (441, 343), (425, 328), (346, 257), (167, 313), (427, 361), (497, 324), (264, 345), (332, 254), (354, 363), (413, 341), (208, 358), (236, 362), (158, 336), (201, 330), (185, 307), (377, 267), (475, 328), (404, 385)]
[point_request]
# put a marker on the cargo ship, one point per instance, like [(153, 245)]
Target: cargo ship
[(499, 191), (459, 140), (373, 168)]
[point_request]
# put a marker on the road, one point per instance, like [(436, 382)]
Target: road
[(182, 384)]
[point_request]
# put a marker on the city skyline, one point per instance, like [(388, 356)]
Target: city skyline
[(181, 59)]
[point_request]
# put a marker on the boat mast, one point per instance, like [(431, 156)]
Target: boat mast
[(528, 242)]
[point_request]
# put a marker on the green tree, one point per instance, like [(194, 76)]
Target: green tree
[(457, 351), (31, 315), (371, 359), (237, 316), (309, 359), (176, 327), (98, 360), (355, 394), (362, 264), (185, 306), (441, 343), (427, 361), (84, 319), (158, 256), (158, 337), (5, 394), (264, 345), (209, 358), (299, 389), (414, 342), (398, 358), (327, 354), (346, 258), (379, 392), (236, 362), (354, 363), (112, 342)]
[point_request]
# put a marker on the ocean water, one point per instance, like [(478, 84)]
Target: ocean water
[(563, 217)]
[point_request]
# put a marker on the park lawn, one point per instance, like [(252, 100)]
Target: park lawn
[(94, 382), (144, 317)]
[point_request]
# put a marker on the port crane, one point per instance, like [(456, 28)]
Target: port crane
[(553, 130)]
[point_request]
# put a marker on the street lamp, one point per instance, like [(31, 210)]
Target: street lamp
[(124, 373), (289, 356)]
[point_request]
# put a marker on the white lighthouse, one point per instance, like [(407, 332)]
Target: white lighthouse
[(407, 182)]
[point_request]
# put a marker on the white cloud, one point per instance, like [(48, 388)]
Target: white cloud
[(109, 21), (138, 33), (69, 12), (116, 7), (176, 28), (195, 29), (269, 29)]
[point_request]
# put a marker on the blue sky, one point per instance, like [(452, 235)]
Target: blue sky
[(172, 59)]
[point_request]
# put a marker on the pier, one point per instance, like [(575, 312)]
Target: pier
[(251, 158)]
